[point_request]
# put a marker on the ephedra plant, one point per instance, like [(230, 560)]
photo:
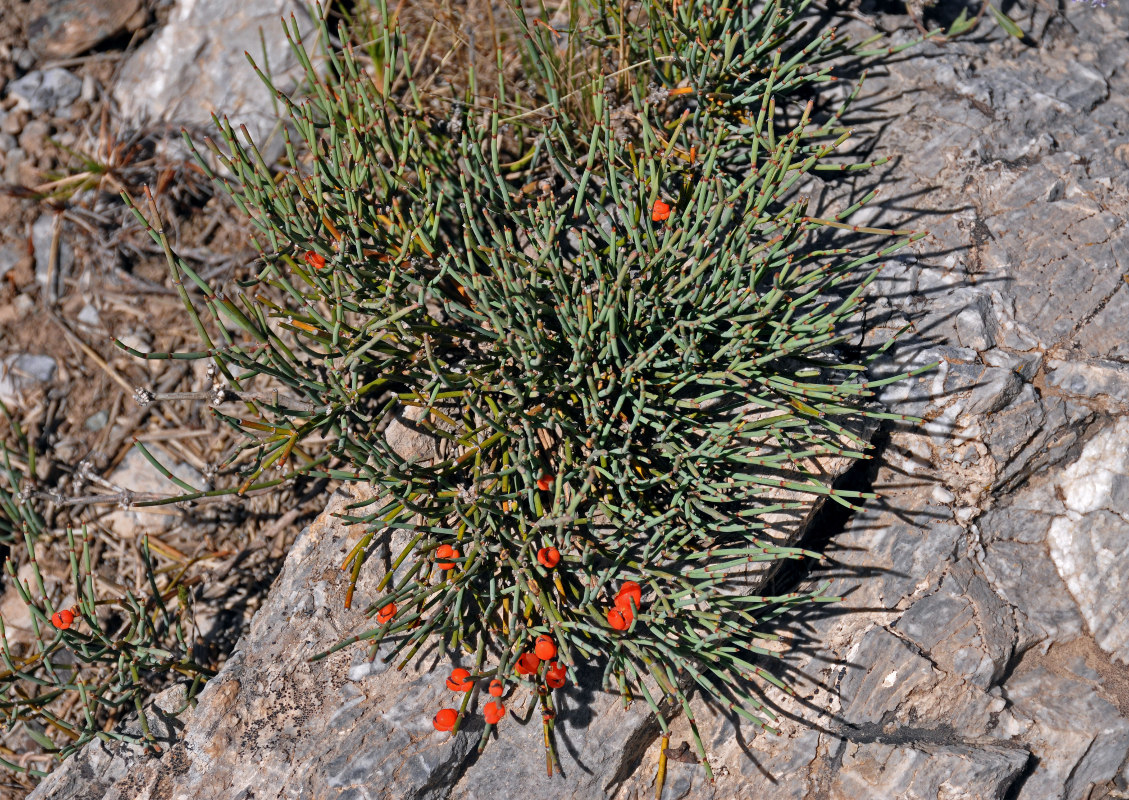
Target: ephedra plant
[(590, 274), (78, 657)]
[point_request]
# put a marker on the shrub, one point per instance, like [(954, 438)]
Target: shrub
[(596, 284)]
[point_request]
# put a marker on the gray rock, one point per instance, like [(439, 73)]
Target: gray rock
[(1032, 432), (46, 90), (12, 160), (961, 771), (70, 27), (1108, 379), (1104, 336), (897, 280), (599, 744), (889, 687), (9, 257), (135, 475), (957, 314), (976, 325), (89, 316), (873, 690), (97, 421), (1025, 364), (1026, 577), (407, 439), (911, 549), (1078, 737), (20, 373), (8, 142), (997, 387), (964, 627), (1088, 541), (960, 377), (195, 66)]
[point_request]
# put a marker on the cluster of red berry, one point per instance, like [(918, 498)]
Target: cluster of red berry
[(627, 602), (63, 619), (529, 663), (544, 649), (460, 682)]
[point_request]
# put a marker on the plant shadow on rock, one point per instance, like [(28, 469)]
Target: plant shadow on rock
[(941, 14), (806, 650)]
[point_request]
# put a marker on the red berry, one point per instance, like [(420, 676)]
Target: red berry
[(544, 483), (630, 586), (626, 604), (544, 648), (618, 620), (446, 551), (494, 711), (660, 211), (496, 688), (548, 557), (315, 260), (528, 664), (458, 681), (555, 676), (63, 619), (445, 719), (386, 613), (630, 589)]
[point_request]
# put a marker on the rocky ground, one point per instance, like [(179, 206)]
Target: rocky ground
[(981, 647), (82, 119)]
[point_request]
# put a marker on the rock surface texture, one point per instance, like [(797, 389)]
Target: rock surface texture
[(197, 65), (981, 650)]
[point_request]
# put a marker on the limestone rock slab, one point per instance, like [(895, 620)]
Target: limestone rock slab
[(195, 66), (70, 27), (1089, 542), (949, 772), (1079, 737)]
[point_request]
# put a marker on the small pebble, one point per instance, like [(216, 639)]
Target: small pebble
[(45, 90), (89, 316), (34, 135), (98, 421), (13, 122), (42, 236), (9, 256), (20, 372), (12, 161), (89, 88), (942, 495), (24, 58)]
